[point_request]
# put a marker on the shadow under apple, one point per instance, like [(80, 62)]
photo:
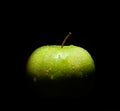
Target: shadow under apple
[(73, 87)]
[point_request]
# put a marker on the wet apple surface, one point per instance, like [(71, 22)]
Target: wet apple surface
[(55, 62)]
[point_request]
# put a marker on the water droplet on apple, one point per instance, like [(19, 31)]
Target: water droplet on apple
[(46, 72), (73, 67)]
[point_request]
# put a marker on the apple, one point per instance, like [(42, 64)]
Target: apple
[(60, 62), (54, 62)]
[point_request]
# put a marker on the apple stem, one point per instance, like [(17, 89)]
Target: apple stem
[(65, 39)]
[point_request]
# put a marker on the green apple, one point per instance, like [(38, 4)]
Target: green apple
[(57, 62)]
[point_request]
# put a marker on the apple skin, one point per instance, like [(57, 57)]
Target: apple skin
[(53, 62)]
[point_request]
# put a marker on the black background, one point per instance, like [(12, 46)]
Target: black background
[(94, 30)]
